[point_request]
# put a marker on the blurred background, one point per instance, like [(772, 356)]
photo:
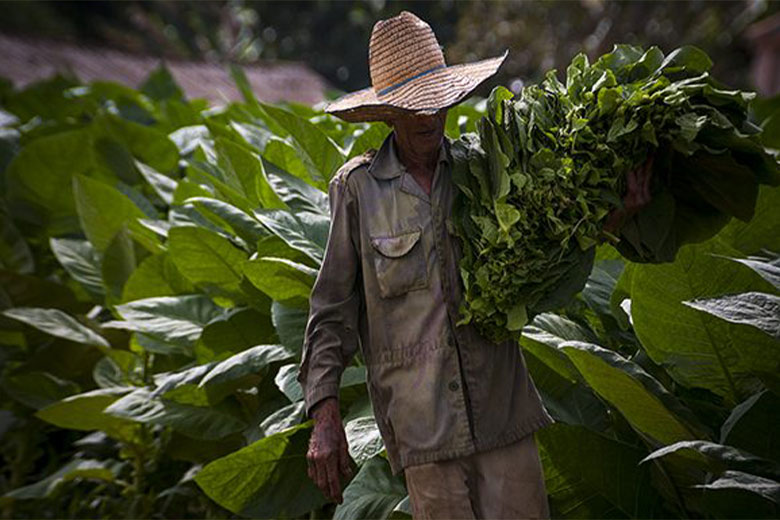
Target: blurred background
[(307, 50)]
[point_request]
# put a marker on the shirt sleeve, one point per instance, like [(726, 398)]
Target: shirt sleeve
[(331, 337)]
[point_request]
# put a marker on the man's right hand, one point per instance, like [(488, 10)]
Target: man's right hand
[(328, 454)]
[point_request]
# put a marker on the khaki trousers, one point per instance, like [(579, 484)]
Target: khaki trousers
[(506, 482)]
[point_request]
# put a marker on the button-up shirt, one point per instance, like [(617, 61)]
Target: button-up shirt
[(390, 287)]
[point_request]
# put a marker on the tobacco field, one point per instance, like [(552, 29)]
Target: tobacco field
[(156, 258)]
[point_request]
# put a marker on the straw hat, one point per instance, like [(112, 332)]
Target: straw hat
[(408, 74)]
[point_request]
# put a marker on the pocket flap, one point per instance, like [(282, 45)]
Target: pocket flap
[(396, 246)]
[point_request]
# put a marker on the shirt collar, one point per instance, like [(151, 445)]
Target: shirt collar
[(387, 164)]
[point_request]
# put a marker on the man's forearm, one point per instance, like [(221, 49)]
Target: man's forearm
[(326, 409)]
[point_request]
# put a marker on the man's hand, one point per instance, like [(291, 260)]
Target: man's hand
[(637, 196), (328, 455)]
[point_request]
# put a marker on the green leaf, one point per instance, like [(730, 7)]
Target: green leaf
[(119, 261), (727, 355), (206, 259), (235, 331), (273, 473), (15, 254), (173, 319), (85, 412), (580, 483), (160, 85), (645, 404), (286, 380), (284, 281), (103, 210), (238, 221), (41, 174), (290, 325), (759, 310), (244, 171), (156, 275), (246, 362), (752, 424), (373, 493), (100, 470), (148, 144), (741, 495), (58, 324), (162, 185), (364, 439), (200, 422), (768, 267), (717, 458), (306, 232), (320, 154), (37, 389)]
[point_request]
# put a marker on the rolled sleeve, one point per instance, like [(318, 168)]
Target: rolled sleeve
[(331, 337)]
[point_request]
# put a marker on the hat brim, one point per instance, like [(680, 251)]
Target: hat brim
[(430, 93)]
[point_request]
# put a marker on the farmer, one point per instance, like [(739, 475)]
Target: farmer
[(456, 412)]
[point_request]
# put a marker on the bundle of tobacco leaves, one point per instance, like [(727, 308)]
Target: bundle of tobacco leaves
[(546, 167)]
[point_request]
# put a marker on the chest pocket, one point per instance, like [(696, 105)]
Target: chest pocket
[(400, 263)]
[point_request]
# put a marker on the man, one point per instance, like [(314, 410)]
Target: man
[(456, 412)]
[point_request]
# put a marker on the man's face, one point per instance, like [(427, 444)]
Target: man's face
[(420, 134)]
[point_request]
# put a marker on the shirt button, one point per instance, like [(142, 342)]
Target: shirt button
[(454, 386)]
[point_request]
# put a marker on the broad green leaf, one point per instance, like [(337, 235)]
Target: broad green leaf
[(364, 439), (320, 154), (731, 488), (86, 412), (582, 485), (119, 261), (285, 157), (245, 172), (371, 137), (272, 471), (298, 195), (206, 259), (248, 361), (175, 319), (717, 458), (147, 144), (290, 325), (563, 389), (41, 174), (768, 267), (645, 404), (163, 185), (284, 281), (763, 230), (119, 368), (373, 493), (15, 254), (752, 426), (81, 261), (200, 422), (38, 389), (759, 310), (239, 222), (160, 85), (234, 332), (100, 470), (103, 210), (727, 355), (58, 324), (306, 232), (287, 381), (156, 275), (283, 419)]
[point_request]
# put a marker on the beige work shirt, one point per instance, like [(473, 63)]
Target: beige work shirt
[(390, 287)]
